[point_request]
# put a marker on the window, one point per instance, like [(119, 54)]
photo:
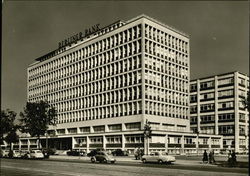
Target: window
[(226, 93), (207, 130), (207, 107), (207, 96), (117, 127), (193, 120), (207, 118), (193, 87), (226, 117), (225, 82), (226, 129), (226, 105), (193, 109), (133, 126), (206, 85), (193, 98), (99, 128)]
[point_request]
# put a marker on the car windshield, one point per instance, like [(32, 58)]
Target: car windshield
[(164, 153)]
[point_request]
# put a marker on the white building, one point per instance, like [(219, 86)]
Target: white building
[(107, 84), (216, 108)]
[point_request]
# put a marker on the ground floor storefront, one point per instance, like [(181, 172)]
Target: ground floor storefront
[(171, 142)]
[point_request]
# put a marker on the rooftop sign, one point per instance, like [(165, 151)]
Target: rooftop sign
[(79, 36)]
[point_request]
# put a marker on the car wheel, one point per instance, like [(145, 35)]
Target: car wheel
[(144, 160), (104, 160), (160, 161), (112, 162), (92, 160)]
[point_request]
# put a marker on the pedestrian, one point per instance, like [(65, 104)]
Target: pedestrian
[(211, 157), (213, 160), (205, 157), (229, 160), (234, 160)]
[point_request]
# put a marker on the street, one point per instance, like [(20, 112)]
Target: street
[(14, 167)]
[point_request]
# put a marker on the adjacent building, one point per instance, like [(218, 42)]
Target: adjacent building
[(216, 108), (107, 84)]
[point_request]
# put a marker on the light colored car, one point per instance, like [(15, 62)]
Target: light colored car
[(36, 154), (5, 153), (158, 157), (17, 154), (103, 157)]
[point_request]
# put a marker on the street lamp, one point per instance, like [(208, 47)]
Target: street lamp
[(147, 135)]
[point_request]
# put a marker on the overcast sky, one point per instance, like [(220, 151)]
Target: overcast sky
[(218, 32)]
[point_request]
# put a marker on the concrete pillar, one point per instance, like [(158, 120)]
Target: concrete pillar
[(216, 117), (236, 110), (73, 142), (166, 143), (123, 142), (198, 106), (28, 144), (104, 141), (182, 144), (87, 144), (209, 143)]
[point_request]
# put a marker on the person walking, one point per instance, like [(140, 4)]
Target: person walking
[(211, 157), (205, 158), (229, 160), (234, 160)]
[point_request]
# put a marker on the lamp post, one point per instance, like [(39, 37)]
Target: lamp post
[(147, 135)]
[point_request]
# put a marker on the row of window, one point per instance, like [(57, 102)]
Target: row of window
[(154, 108), (165, 38), (90, 50), (163, 95), (68, 87), (131, 108), (169, 68), (83, 75), (166, 53)]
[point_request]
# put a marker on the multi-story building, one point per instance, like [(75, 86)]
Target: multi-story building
[(107, 84), (216, 108)]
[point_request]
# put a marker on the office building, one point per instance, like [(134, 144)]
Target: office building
[(106, 84), (216, 108)]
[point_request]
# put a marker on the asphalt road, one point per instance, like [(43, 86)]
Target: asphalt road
[(18, 167)]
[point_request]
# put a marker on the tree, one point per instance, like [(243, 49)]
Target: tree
[(8, 127), (37, 117)]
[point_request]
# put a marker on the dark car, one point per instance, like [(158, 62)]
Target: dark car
[(120, 152), (75, 153), (92, 153), (103, 157)]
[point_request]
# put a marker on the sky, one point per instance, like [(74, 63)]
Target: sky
[(218, 30)]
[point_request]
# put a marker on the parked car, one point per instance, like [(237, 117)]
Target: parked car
[(92, 153), (158, 157), (25, 154), (16, 154), (103, 157), (119, 152), (4, 153), (36, 154), (75, 153)]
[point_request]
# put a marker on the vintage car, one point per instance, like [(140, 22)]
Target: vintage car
[(158, 157), (103, 157), (35, 154)]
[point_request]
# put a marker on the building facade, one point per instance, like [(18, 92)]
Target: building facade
[(107, 84), (216, 108)]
